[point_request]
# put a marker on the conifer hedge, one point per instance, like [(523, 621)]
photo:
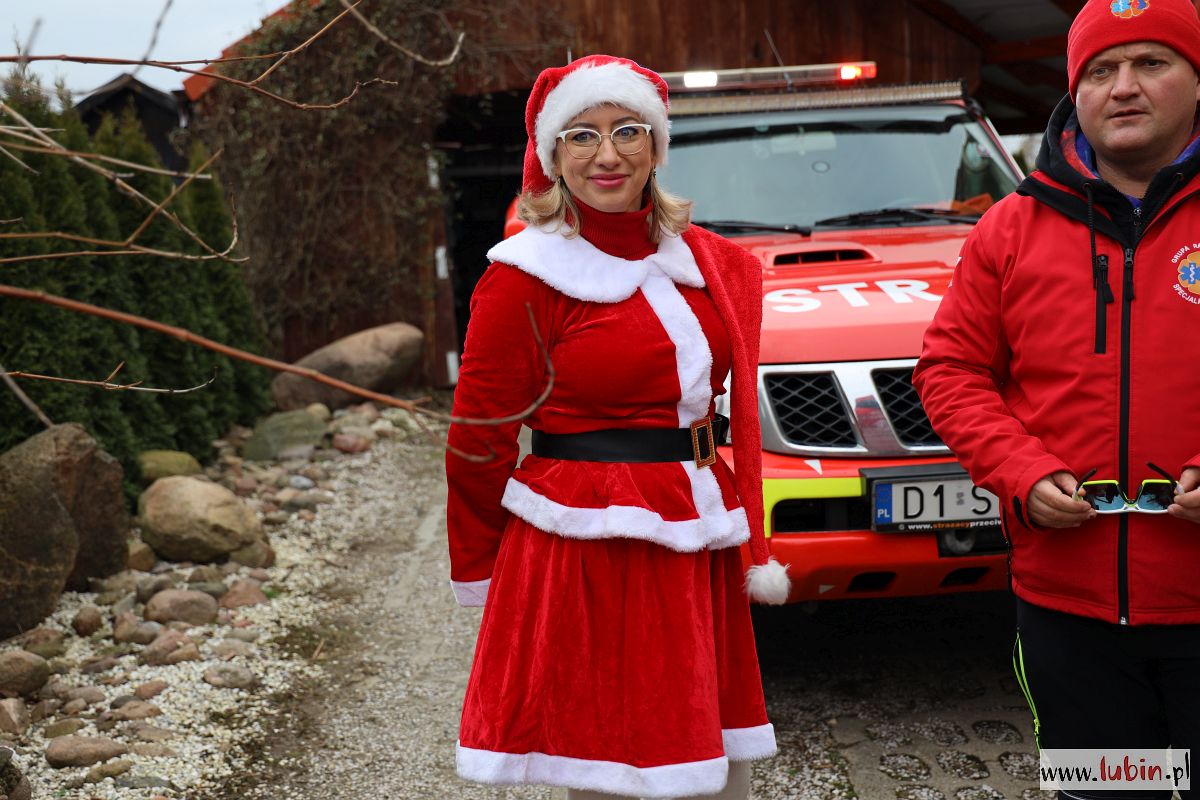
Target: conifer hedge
[(206, 297)]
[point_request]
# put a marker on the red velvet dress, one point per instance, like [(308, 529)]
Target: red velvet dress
[(616, 652)]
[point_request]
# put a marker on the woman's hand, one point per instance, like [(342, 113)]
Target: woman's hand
[(1053, 504)]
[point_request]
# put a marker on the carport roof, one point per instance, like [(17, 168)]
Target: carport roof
[(1023, 45)]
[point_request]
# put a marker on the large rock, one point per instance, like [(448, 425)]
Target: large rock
[(82, 751), (185, 605), (171, 647), (377, 358), (157, 464), (14, 716), (22, 673), (185, 519), (281, 432), (38, 544), (88, 483)]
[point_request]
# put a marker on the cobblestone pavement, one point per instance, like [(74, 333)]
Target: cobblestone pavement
[(881, 700), (912, 699)]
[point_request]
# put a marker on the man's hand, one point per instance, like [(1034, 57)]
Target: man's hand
[(1052, 505), (1187, 505)]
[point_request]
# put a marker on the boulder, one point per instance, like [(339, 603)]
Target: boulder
[(258, 553), (141, 556), (82, 751), (14, 716), (45, 642), (280, 433), (320, 411), (243, 593), (88, 482), (378, 359), (87, 621), (129, 627), (349, 443), (171, 647), (184, 605), (38, 544), (185, 519), (15, 785), (151, 689), (230, 676), (156, 464), (63, 727), (22, 673)]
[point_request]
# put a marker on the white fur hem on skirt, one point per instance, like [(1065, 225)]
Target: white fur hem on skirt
[(669, 780)]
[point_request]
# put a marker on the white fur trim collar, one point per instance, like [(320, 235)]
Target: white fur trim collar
[(590, 86), (578, 269)]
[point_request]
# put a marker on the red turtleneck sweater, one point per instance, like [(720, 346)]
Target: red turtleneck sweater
[(624, 234)]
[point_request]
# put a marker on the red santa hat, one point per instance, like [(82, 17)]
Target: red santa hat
[(563, 93), (1107, 23)]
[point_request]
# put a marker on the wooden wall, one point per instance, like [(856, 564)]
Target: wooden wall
[(672, 35)]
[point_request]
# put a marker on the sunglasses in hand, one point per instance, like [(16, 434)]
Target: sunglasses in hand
[(1107, 497)]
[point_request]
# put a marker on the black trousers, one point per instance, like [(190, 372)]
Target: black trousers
[(1098, 685)]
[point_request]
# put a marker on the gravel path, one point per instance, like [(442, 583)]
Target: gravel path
[(382, 721)]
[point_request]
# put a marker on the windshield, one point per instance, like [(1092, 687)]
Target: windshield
[(801, 167)]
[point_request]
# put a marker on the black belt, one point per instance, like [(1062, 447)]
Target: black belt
[(637, 445)]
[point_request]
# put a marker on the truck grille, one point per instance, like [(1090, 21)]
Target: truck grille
[(851, 408), (903, 408), (810, 410)]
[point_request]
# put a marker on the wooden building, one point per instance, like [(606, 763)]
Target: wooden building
[(1011, 53), (158, 112)]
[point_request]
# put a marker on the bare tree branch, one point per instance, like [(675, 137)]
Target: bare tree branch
[(136, 249), (125, 246), (251, 85), (19, 161), (33, 32), (25, 148), (24, 398), (444, 62), (107, 383), (111, 176), (154, 35), (185, 335)]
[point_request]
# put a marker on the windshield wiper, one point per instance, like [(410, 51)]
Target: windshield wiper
[(746, 225), (900, 215)]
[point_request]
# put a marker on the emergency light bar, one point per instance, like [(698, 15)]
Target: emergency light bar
[(770, 76), (685, 105)]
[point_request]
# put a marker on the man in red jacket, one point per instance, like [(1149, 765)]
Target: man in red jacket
[(1061, 353)]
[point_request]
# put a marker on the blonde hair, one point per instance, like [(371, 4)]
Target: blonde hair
[(556, 208)]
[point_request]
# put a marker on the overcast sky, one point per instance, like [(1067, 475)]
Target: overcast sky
[(122, 29)]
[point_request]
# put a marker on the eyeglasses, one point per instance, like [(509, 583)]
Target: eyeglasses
[(585, 143), (1107, 497)]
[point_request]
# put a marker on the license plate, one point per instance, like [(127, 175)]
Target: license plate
[(934, 504)]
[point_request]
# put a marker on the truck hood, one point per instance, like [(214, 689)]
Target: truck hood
[(852, 295)]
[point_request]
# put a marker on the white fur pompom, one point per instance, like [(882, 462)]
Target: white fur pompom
[(768, 583)]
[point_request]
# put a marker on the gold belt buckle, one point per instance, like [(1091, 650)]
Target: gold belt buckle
[(702, 432)]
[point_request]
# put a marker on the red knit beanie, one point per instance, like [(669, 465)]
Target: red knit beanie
[(563, 93), (1107, 23)]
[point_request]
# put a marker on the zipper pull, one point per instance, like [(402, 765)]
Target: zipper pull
[(1101, 280), (1129, 294)]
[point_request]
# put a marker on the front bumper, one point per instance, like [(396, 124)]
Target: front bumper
[(838, 556)]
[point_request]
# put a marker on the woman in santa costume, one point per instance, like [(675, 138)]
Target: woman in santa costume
[(616, 656)]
